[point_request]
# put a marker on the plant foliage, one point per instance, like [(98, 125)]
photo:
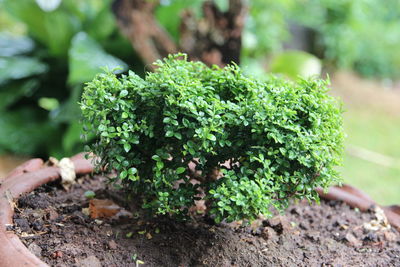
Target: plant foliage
[(49, 48), (255, 143), (345, 30), (45, 56)]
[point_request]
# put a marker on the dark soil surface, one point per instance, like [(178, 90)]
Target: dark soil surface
[(53, 225)]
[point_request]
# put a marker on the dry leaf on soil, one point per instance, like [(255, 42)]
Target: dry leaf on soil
[(102, 208)]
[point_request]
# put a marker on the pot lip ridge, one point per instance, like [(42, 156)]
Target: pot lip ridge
[(24, 179), (34, 173)]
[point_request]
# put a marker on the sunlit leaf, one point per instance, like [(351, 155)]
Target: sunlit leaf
[(11, 45), (87, 58), (13, 68)]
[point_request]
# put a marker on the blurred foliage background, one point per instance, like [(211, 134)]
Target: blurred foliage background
[(50, 48)]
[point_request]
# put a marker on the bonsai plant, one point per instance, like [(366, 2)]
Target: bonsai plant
[(254, 144)]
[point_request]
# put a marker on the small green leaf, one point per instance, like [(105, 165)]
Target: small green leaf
[(127, 147), (180, 170), (123, 93), (169, 133), (178, 136), (123, 174), (192, 151), (211, 137), (89, 194), (299, 187), (102, 127), (129, 235), (185, 122), (86, 56), (156, 157), (132, 171), (133, 178), (160, 164)]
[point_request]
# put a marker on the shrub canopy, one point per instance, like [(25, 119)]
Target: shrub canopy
[(255, 143)]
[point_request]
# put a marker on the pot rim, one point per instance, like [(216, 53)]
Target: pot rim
[(24, 179)]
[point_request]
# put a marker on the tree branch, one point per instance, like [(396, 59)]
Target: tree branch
[(213, 39), (136, 20)]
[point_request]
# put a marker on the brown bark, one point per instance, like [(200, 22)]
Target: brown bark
[(136, 20), (213, 39), (217, 37)]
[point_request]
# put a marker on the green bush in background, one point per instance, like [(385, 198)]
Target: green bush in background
[(356, 34)]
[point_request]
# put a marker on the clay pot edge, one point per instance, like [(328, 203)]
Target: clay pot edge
[(24, 179)]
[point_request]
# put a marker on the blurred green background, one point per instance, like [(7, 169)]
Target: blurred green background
[(49, 49)]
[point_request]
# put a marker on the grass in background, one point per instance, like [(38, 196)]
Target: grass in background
[(379, 133), (372, 122)]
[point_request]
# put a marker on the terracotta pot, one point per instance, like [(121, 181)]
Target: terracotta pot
[(34, 173), (21, 180)]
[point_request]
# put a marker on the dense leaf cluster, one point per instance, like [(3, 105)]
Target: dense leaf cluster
[(255, 143)]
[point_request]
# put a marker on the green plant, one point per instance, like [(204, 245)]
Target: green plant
[(255, 143), (345, 32), (45, 56)]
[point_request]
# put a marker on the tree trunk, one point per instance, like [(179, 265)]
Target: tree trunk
[(216, 38)]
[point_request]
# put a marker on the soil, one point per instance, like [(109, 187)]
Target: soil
[(53, 224)]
